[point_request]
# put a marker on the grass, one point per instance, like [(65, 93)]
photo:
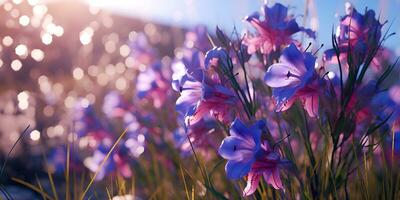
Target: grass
[(198, 177)]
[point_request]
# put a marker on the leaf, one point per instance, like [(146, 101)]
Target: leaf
[(222, 37), (387, 72)]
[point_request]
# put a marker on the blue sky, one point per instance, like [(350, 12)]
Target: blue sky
[(229, 13)]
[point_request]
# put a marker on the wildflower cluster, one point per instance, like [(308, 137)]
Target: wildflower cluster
[(278, 102)]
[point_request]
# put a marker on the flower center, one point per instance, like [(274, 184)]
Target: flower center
[(289, 74)]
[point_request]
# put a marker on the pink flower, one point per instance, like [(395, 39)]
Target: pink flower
[(294, 77), (357, 34), (203, 92), (247, 155), (274, 31), (267, 166)]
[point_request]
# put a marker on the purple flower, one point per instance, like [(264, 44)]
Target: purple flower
[(220, 57), (274, 31), (215, 57), (191, 92), (191, 60), (294, 77), (355, 27), (240, 148), (202, 94), (267, 166), (198, 100), (360, 33), (247, 155)]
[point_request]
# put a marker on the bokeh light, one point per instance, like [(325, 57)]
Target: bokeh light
[(16, 65)]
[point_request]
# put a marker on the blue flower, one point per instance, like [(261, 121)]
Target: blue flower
[(216, 56), (202, 91), (274, 31), (191, 92), (294, 77), (248, 155), (241, 148), (360, 33)]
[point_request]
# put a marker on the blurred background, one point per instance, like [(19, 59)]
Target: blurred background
[(55, 54)]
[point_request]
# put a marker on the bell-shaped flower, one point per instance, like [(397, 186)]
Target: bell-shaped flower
[(216, 100), (247, 155), (294, 77), (240, 148), (275, 31), (202, 94), (267, 165), (359, 33)]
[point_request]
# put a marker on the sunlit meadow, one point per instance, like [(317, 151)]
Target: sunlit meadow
[(191, 99)]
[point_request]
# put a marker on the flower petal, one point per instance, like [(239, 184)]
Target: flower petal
[(239, 129), (237, 169), (235, 148), (292, 27), (276, 14), (275, 180), (309, 61), (284, 97), (252, 183), (292, 55), (278, 75), (311, 105)]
